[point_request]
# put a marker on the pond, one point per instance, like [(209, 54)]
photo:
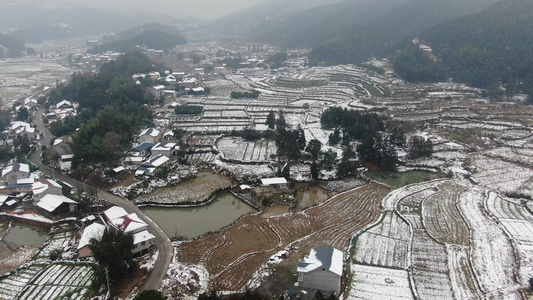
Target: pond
[(195, 221), (400, 179), (24, 235)]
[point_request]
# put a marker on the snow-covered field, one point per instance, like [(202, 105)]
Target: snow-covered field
[(52, 282), (379, 283)]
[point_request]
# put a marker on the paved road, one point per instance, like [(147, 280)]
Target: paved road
[(163, 244)]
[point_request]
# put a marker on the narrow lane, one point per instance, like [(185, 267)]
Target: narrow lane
[(162, 242)]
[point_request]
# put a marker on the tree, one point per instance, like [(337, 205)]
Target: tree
[(150, 295), (328, 159), (281, 123), (271, 120), (420, 147), (313, 148), (335, 137), (314, 171), (113, 254), (23, 114)]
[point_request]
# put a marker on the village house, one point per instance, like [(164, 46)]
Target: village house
[(157, 91), (190, 83), (64, 104), (321, 269), (130, 223), (93, 231), (21, 128), (165, 148), (148, 167), (149, 135), (44, 187), (56, 204), (12, 173), (154, 75), (141, 150), (279, 182)]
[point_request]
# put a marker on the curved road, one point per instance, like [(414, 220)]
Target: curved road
[(163, 244)]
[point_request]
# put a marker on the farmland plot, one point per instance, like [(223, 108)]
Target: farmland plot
[(492, 254), (233, 255), (500, 175), (463, 282), (237, 149), (518, 223), (56, 241), (379, 283), (403, 194), (58, 281), (386, 244), (441, 218), (12, 285), (432, 285)]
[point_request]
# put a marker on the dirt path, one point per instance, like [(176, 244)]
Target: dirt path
[(233, 255)]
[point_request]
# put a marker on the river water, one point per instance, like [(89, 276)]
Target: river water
[(192, 222)]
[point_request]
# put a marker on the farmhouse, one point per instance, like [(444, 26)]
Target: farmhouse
[(278, 182), (148, 167), (141, 150), (11, 174), (130, 223), (44, 187), (57, 204), (157, 90), (321, 270), (166, 149), (189, 83), (93, 231), (149, 135)]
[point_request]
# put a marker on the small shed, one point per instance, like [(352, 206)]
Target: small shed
[(245, 189)]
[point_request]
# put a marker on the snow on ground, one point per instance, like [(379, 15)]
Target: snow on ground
[(379, 283), (242, 171), (492, 254), (185, 281), (149, 263)]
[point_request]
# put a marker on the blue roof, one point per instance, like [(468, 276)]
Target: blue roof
[(142, 147)]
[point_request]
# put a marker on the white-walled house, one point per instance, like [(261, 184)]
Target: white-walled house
[(118, 218), (12, 173), (164, 148), (321, 269), (149, 135), (44, 187), (93, 231), (278, 182)]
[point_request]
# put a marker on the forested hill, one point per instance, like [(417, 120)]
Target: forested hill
[(492, 49), (391, 30), (148, 37), (312, 26), (11, 47)]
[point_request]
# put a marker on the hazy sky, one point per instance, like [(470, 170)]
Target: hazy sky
[(203, 9)]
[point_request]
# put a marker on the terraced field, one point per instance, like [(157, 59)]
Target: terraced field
[(234, 254)]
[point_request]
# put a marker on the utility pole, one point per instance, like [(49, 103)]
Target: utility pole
[(108, 295)]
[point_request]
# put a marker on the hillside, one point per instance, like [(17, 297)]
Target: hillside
[(391, 30), (146, 36), (11, 47), (310, 27), (265, 13), (491, 49), (33, 21)]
